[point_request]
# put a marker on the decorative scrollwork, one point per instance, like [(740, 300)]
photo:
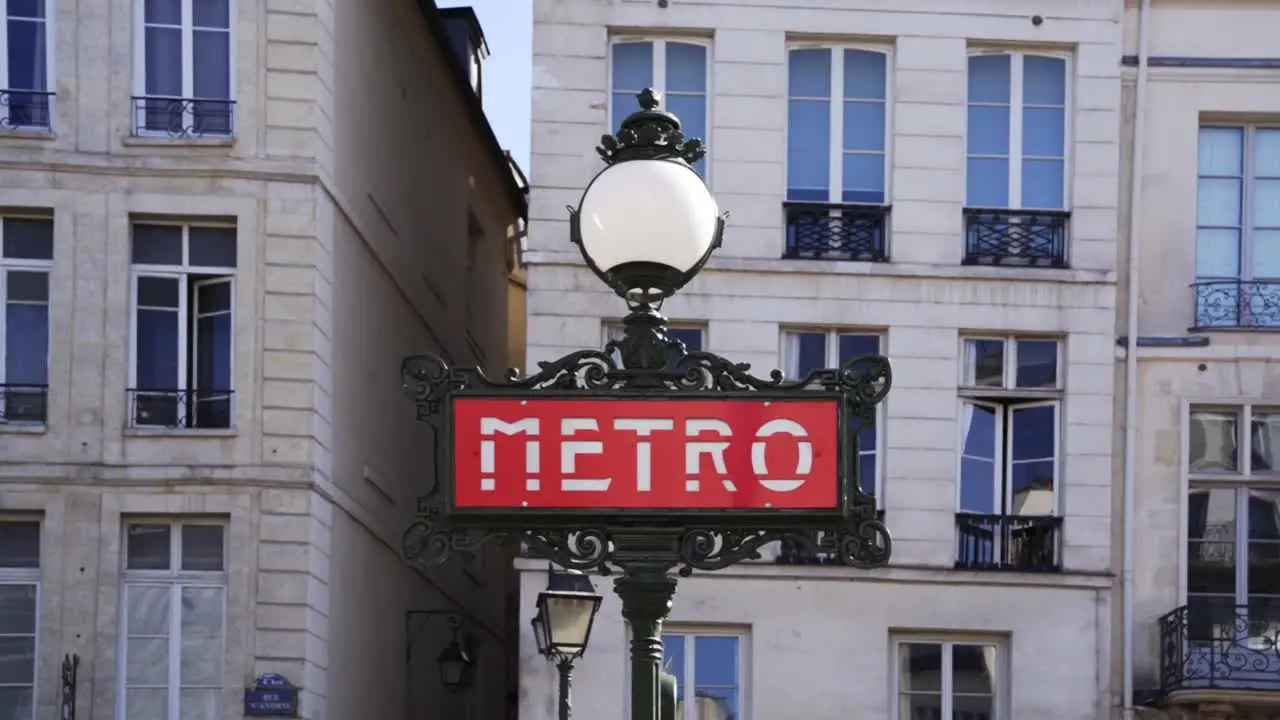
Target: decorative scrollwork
[(650, 134), (1215, 645), (184, 117), (1237, 304)]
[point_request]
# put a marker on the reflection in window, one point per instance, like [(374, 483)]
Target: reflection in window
[(708, 675), (676, 70), (1233, 561), (1217, 445), (938, 680)]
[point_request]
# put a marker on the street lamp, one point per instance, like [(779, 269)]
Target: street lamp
[(455, 665), (562, 626)]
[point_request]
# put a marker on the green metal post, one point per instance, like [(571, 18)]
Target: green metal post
[(646, 592)]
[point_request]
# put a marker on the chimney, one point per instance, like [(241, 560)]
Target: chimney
[(467, 41)]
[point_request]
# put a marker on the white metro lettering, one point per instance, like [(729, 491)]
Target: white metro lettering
[(695, 449), (571, 449), (492, 426), (804, 463), (644, 427)]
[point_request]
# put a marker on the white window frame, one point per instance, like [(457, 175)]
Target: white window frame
[(1244, 411), (175, 579), (1016, 59), (1002, 704), (686, 684), (1248, 178), (50, 55), (659, 43), (28, 576), (835, 130), (832, 347), (188, 64), (1004, 401), (22, 265), (182, 273)]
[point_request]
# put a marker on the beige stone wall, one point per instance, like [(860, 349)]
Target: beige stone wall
[(350, 180)]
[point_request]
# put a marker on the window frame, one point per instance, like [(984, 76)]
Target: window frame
[(50, 67), (1248, 179), (832, 350), (687, 684), (835, 130), (1017, 57), (659, 69), (188, 65), (1244, 411), (23, 265), (185, 312), (1004, 401), (176, 579), (1002, 699), (29, 576)]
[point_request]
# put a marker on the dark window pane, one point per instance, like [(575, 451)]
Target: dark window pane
[(212, 246), (202, 548), (20, 544), (213, 353), (158, 292), (17, 609), (28, 55), (986, 362), (1264, 515), (673, 657), (157, 244), (26, 9), (28, 238), (19, 698), (810, 352), (867, 472), (28, 286), (1033, 432), (632, 72), (213, 297), (157, 350), (1037, 364), (163, 61), (26, 358), (1265, 440), (1213, 440), (17, 660), (691, 337), (852, 346), (148, 547), (212, 64), (211, 14), (163, 12), (973, 670), (921, 668)]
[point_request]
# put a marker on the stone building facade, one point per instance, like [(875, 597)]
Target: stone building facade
[(224, 225), (936, 181)]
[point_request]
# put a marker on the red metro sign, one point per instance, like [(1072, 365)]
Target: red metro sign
[(646, 454)]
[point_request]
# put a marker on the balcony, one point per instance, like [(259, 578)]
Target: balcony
[(24, 404), (25, 110), (1209, 646), (1016, 238), (175, 409), (184, 118), (830, 231), (790, 553), (1237, 304), (1011, 543)]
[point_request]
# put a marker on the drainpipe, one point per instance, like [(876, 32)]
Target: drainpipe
[(1131, 360)]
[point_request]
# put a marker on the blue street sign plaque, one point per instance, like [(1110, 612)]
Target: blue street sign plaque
[(271, 695)]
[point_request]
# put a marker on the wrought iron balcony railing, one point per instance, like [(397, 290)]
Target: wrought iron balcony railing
[(790, 553), (1019, 238), (1237, 304), (183, 117), (1222, 646), (26, 110), (27, 404), (196, 409), (1018, 543), (826, 231)]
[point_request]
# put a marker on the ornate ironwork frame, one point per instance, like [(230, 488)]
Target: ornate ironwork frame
[(654, 368)]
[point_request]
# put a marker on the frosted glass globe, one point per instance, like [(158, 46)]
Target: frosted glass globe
[(647, 211)]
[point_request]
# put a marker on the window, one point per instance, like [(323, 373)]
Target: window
[(836, 144), (805, 351), (184, 68), (25, 263), (1010, 465), (676, 69), (709, 674), (1238, 227), (1017, 131), (25, 58), (693, 337), (19, 617), (173, 621), (949, 681), (183, 326), (1240, 441)]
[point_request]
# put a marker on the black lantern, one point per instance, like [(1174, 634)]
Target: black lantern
[(647, 223), (455, 665), (566, 611)]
